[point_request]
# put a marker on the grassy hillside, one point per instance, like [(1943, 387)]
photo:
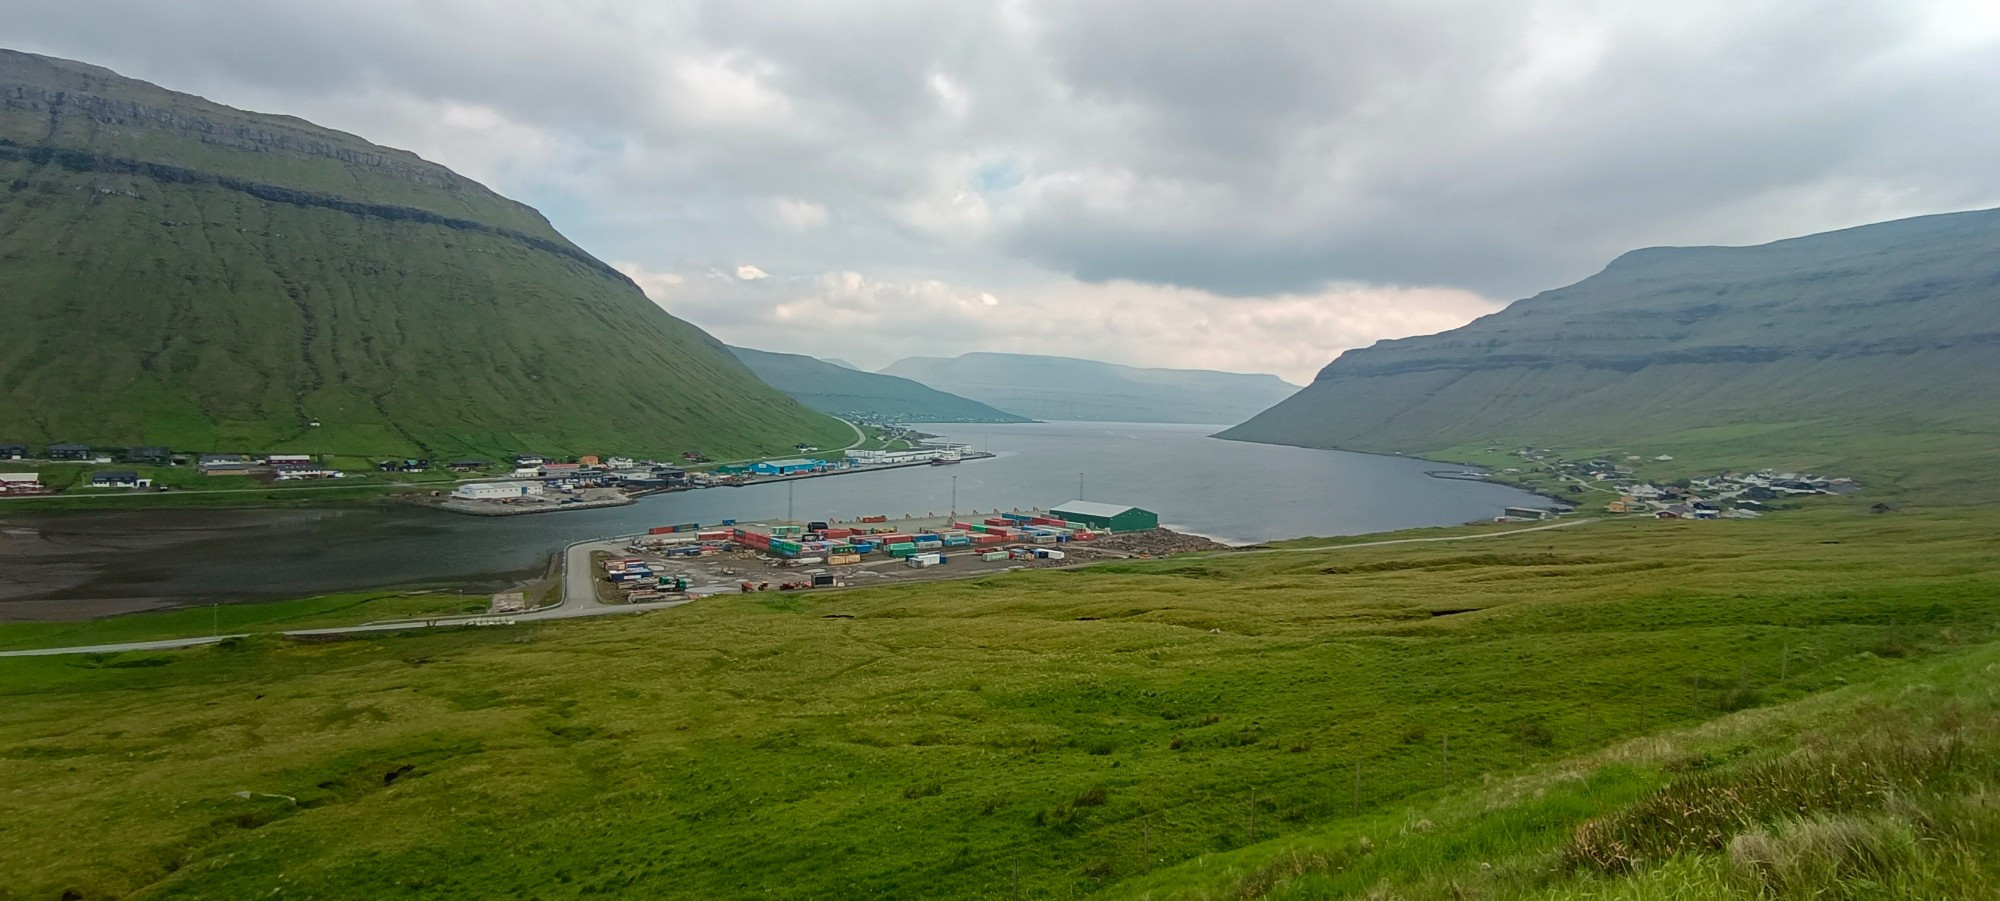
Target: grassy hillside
[(1064, 731), (1826, 340), (1061, 388), (833, 388), (186, 274)]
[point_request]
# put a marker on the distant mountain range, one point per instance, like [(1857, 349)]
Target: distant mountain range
[(1062, 388), (1851, 336), (177, 272), (831, 387)]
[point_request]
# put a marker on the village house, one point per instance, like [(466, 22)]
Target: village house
[(288, 459), (11, 450), (68, 452), (150, 455), (468, 464), (119, 479), (21, 483)]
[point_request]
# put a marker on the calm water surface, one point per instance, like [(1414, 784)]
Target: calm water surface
[(1230, 491)]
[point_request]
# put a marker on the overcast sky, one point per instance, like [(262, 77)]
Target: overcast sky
[(1253, 186)]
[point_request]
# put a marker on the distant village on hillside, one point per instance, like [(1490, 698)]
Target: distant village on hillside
[(1725, 495)]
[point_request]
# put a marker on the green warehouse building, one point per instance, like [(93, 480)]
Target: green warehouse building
[(1114, 517)]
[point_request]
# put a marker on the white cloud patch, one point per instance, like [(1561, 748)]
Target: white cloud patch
[(875, 321), (797, 215), (751, 273)]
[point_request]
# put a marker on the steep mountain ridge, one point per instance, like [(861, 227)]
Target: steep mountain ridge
[(1890, 326), (188, 274), (829, 387), (1065, 388)]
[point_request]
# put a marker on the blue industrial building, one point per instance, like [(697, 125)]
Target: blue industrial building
[(787, 467)]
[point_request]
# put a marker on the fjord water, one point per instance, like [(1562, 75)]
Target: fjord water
[(1227, 490)]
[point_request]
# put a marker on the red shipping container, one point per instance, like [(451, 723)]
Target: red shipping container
[(877, 518), (999, 522), (1047, 521), (660, 530)]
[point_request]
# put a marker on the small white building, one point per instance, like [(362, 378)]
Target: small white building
[(494, 491), (915, 455)]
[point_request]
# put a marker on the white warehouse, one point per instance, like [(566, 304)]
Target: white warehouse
[(494, 491)]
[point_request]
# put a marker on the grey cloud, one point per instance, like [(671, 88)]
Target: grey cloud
[(1241, 149)]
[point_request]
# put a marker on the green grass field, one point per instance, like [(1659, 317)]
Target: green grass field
[(1183, 726)]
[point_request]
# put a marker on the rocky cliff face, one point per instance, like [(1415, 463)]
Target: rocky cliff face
[(1897, 321)]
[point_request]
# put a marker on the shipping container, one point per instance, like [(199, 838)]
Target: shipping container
[(991, 556), (1049, 555), (1017, 517), (844, 559), (997, 521), (877, 518), (660, 530), (823, 580), (818, 525), (688, 527)]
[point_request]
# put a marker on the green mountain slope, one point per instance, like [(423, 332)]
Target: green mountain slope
[(182, 273), (1062, 388), (832, 388), (1838, 338)]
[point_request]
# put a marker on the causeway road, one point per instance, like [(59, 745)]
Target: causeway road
[(579, 599)]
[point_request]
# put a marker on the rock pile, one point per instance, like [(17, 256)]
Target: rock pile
[(1154, 543)]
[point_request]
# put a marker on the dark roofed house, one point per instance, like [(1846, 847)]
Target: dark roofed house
[(68, 452), (118, 479), (468, 465), (157, 456), (13, 450)]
